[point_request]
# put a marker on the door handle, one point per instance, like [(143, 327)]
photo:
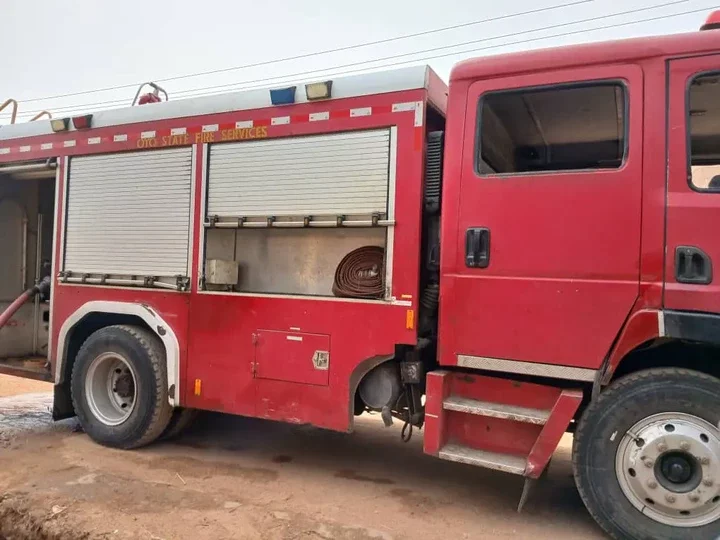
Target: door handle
[(477, 247), (692, 265)]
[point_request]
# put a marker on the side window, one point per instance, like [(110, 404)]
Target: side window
[(561, 128), (704, 122)]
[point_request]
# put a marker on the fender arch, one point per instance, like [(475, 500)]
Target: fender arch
[(357, 375), (152, 319), (643, 326)]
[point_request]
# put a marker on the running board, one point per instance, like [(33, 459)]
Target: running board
[(482, 458), (497, 410)]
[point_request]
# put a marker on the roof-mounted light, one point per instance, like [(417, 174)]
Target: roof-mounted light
[(82, 122), (283, 96), (59, 124), (319, 90), (712, 22)]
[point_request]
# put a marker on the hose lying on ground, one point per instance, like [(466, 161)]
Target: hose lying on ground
[(360, 274)]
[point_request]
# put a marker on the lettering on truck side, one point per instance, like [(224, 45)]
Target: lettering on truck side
[(238, 134)]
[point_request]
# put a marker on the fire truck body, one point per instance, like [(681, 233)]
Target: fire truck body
[(234, 346), (202, 258)]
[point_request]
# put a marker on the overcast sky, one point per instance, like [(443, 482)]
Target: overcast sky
[(54, 47)]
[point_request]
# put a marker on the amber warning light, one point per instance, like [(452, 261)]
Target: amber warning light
[(59, 124)]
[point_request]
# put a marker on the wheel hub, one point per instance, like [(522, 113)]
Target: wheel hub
[(124, 385), (679, 472), (668, 466), (110, 389)]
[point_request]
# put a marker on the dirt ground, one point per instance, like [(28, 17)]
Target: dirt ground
[(14, 386), (239, 478)]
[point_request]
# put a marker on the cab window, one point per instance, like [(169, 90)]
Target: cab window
[(560, 128), (704, 132)]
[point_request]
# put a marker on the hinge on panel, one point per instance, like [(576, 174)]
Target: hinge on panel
[(183, 283), (253, 362)]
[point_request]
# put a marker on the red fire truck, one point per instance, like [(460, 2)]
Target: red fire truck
[(526, 253)]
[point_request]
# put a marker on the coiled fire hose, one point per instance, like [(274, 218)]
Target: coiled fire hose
[(41, 288), (360, 274)]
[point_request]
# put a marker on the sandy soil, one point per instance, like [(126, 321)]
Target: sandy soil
[(13, 386), (239, 478)]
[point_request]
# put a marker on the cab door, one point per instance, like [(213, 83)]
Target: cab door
[(692, 262), (545, 266)]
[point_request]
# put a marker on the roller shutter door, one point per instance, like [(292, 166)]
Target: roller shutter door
[(344, 173), (129, 214)]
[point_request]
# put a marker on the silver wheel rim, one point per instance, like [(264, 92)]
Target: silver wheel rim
[(111, 389), (668, 466)]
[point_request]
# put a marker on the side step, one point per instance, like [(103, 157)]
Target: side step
[(495, 422), (496, 410), (482, 458)]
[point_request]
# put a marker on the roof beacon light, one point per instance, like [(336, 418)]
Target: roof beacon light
[(283, 96), (82, 122), (319, 90), (59, 124), (712, 22)]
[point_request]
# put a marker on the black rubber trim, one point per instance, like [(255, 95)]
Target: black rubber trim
[(693, 326)]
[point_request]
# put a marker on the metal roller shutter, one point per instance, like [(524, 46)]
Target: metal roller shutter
[(129, 214), (344, 173)]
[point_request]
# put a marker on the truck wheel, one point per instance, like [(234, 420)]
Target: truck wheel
[(646, 456), (180, 420), (119, 387)]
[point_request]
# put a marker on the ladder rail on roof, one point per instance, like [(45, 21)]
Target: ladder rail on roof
[(39, 115), (152, 97), (13, 114)]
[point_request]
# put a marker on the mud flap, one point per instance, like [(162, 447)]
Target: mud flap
[(62, 402)]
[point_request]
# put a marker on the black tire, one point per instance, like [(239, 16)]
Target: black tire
[(179, 422), (626, 402), (151, 413)]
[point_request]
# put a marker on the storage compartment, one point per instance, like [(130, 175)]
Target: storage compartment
[(331, 175), (292, 356), (27, 198), (287, 261), (289, 210), (128, 216)]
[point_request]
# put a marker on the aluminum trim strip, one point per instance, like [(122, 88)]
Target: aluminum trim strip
[(527, 368)]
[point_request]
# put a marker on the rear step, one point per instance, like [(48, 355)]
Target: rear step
[(496, 410), (482, 458), (28, 368)]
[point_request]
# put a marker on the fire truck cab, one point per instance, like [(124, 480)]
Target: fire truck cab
[(524, 253)]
